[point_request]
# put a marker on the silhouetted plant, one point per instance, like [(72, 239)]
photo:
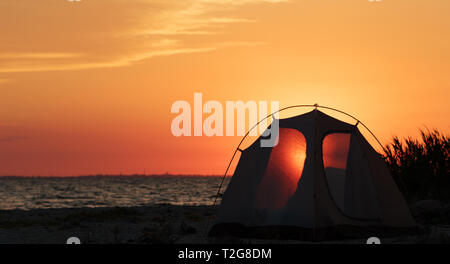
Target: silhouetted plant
[(421, 167)]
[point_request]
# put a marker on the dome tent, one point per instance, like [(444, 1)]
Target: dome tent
[(323, 180)]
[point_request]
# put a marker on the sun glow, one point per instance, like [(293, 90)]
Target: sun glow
[(283, 171), (335, 150)]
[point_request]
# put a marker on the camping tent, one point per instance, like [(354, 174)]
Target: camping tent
[(323, 180)]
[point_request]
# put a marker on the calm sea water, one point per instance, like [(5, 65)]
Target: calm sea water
[(32, 193)]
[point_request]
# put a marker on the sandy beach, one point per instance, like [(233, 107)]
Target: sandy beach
[(156, 224), (152, 224)]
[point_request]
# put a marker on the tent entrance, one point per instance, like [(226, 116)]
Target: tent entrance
[(283, 171)]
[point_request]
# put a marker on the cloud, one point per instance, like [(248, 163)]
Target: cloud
[(138, 31), (191, 26), (240, 44), (106, 64), (2, 81), (7, 124), (12, 138), (165, 43), (39, 55)]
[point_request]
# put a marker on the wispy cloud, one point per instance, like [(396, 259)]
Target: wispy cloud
[(168, 28), (7, 124), (194, 26), (2, 81), (12, 138), (125, 61), (39, 55), (165, 43)]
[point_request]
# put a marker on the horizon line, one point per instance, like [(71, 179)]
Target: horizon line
[(116, 175)]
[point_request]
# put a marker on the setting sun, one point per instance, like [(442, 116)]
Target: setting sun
[(87, 87)]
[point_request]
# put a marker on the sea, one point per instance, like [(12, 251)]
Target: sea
[(27, 193)]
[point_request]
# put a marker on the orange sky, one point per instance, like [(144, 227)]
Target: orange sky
[(86, 87)]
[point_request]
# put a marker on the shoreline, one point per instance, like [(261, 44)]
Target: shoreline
[(135, 175), (152, 224), (160, 224)]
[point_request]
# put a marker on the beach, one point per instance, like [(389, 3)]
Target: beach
[(155, 224), (147, 224)]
